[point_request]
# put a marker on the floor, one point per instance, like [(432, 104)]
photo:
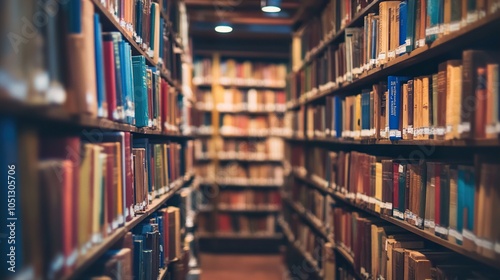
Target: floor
[(241, 267)]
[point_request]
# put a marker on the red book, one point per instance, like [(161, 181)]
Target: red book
[(110, 76), (224, 223), (68, 216), (129, 177), (164, 104), (67, 149)]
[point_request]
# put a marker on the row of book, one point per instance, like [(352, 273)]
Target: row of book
[(142, 253), (202, 121), (94, 72), (308, 242), (270, 148), (89, 186), (237, 224), (312, 200), (249, 199), (458, 102), (398, 27), (360, 240), (455, 200), (252, 171), (241, 72), (150, 24), (83, 189), (336, 15), (245, 124), (239, 100), (379, 249)]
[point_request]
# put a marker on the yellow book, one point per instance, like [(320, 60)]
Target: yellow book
[(378, 185)]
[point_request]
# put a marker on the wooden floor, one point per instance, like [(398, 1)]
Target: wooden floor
[(241, 267)]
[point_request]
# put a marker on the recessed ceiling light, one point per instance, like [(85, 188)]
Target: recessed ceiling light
[(223, 28), (270, 6)]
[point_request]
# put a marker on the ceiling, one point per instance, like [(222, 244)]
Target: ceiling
[(253, 30)]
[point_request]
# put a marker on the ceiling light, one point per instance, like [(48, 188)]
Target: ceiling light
[(223, 28), (270, 6)]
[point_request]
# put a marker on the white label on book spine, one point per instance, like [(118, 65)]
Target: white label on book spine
[(401, 49), (398, 214), (484, 243), (497, 248), (381, 55), (426, 131), (409, 130), (490, 129), (464, 127), (392, 133), (454, 233), (441, 230), (432, 31), (454, 26), (469, 235), (391, 54)]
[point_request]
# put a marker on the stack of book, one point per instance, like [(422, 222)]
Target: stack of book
[(249, 199), (460, 101), (147, 251)]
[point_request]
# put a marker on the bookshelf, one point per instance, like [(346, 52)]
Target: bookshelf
[(344, 100), (240, 100), (83, 194)]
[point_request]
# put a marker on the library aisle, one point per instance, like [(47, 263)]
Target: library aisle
[(249, 139), (241, 267)]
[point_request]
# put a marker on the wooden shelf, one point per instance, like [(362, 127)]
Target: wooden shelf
[(56, 114), (243, 135), (440, 47), (306, 216), (422, 233), (163, 274), (97, 251), (258, 85), (469, 143), (290, 238), (248, 112)]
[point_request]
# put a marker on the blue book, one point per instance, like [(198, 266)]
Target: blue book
[(129, 99), (395, 83), (159, 221), (374, 38), (138, 261), (365, 117), (102, 105), (144, 143), (403, 14), (75, 17), (410, 24), (338, 116), (162, 23), (140, 91), (433, 16), (470, 195), (123, 72), (138, 18)]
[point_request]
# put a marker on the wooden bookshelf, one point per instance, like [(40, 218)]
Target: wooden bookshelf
[(241, 159), (163, 273), (244, 85), (50, 115), (469, 143), (294, 243), (237, 182), (307, 217), (424, 234), (97, 251), (439, 47)]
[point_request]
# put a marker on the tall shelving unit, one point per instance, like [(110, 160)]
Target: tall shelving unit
[(32, 121), (326, 252), (211, 238)]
